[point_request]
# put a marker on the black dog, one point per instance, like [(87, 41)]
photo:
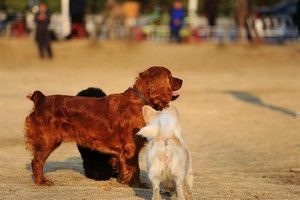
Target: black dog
[(97, 166)]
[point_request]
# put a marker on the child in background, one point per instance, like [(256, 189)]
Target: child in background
[(176, 23)]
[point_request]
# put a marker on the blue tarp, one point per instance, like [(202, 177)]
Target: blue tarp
[(287, 7)]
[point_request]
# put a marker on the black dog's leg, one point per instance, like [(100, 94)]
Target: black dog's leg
[(96, 165)]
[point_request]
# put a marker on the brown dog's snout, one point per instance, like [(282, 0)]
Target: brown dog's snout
[(177, 83)]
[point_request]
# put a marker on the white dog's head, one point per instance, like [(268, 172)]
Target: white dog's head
[(160, 123)]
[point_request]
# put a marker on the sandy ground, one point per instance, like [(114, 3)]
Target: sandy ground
[(237, 110)]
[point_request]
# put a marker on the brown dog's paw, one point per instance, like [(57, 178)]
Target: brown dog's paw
[(45, 182)]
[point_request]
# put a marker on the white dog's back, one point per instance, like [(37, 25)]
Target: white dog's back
[(168, 159)]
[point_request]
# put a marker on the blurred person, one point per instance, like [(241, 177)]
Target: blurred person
[(18, 27), (30, 24), (211, 13), (247, 20), (297, 17), (280, 30), (156, 15), (113, 18), (77, 13), (90, 27), (42, 20), (176, 22), (254, 25), (254, 28), (258, 28), (131, 11), (165, 16), (3, 18), (241, 14)]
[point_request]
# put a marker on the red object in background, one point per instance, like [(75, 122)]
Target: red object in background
[(20, 29), (78, 30), (138, 34), (17, 29), (197, 35)]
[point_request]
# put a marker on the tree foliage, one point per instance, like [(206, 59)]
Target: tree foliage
[(96, 6), (54, 5), (22, 5), (14, 5)]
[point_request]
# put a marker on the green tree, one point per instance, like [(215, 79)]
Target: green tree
[(96, 6), (15, 5), (21, 5), (53, 5)]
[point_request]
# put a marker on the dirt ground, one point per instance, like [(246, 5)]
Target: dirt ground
[(237, 108)]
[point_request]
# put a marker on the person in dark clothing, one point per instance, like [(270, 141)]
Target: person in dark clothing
[(241, 12), (176, 23), (211, 13), (42, 20), (77, 13), (297, 16)]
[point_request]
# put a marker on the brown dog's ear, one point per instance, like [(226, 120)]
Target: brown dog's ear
[(160, 91), (177, 83), (149, 113)]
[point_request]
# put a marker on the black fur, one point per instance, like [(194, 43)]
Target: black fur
[(96, 164), (92, 92)]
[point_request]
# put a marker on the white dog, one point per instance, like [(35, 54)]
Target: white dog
[(168, 159)]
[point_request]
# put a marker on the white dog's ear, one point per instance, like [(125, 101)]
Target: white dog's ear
[(149, 113), (149, 131), (174, 111)]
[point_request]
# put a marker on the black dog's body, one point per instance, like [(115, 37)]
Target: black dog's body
[(96, 165)]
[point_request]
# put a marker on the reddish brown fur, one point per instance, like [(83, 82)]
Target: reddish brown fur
[(107, 124)]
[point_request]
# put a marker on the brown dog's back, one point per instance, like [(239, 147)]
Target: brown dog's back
[(60, 118)]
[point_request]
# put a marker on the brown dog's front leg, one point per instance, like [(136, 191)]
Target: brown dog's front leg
[(129, 170)]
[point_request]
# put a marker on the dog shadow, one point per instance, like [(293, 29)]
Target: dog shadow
[(249, 98), (147, 193), (143, 193), (73, 163)]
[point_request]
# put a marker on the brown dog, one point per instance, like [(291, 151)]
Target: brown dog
[(108, 124)]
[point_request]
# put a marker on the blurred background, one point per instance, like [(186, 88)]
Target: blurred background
[(239, 105), (268, 21)]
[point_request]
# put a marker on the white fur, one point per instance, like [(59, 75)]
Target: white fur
[(168, 159)]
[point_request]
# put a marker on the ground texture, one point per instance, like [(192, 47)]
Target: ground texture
[(237, 108)]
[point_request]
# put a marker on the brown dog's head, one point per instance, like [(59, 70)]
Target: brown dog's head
[(158, 86)]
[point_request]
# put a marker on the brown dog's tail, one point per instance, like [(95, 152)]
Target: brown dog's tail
[(37, 97)]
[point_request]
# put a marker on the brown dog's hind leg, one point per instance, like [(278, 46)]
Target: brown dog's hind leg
[(38, 161)]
